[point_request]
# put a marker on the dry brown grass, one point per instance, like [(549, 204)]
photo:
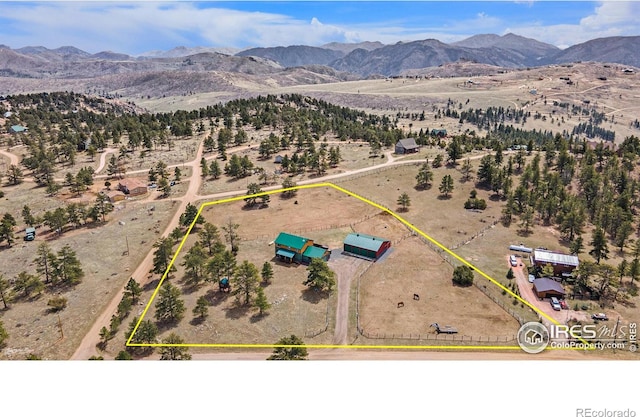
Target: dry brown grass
[(31, 328), (413, 268)]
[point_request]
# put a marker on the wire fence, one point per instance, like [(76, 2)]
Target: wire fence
[(476, 235), (312, 229), (440, 336)]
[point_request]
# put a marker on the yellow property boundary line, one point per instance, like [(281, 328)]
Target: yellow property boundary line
[(384, 209)]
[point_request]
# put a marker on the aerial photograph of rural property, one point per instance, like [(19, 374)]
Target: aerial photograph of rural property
[(335, 181)]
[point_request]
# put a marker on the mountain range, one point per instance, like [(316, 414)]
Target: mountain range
[(361, 60)]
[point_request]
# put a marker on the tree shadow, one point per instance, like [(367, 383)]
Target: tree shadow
[(495, 197), (215, 298), (422, 187), (237, 311), (258, 317), (524, 233), (167, 325), (196, 321), (444, 197), (314, 295), (151, 285)]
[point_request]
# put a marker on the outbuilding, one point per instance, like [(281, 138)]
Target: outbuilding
[(367, 246), (115, 196), (560, 262), (404, 146), (546, 287)]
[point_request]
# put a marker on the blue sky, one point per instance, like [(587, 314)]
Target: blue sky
[(137, 27)]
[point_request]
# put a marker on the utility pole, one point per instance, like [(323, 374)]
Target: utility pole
[(60, 327), (127, 240)]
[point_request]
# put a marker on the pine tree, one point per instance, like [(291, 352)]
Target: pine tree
[(599, 244), (446, 186), (201, 309), (245, 282), (267, 272), (261, 301), (425, 176), (404, 201), (170, 307)]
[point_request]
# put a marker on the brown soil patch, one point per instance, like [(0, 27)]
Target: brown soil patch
[(413, 268)]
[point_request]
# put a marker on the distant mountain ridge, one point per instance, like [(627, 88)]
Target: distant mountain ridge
[(363, 59)]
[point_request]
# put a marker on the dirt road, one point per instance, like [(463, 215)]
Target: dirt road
[(103, 158), (87, 347), (386, 355), (13, 159)]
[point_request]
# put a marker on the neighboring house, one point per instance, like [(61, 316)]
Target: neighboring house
[(292, 248), (18, 129), (367, 246), (132, 186), (546, 287), (561, 263), (441, 133), (406, 146), (7, 114)]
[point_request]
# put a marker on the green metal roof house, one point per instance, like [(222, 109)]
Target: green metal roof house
[(367, 246), (292, 248), (18, 129)]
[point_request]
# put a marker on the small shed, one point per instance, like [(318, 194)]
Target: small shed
[(404, 146), (367, 246), (277, 159), (441, 133), (546, 287)]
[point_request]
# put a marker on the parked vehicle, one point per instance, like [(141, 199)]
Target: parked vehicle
[(564, 305), (513, 260), (600, 316), (532, 277), (555, 304)]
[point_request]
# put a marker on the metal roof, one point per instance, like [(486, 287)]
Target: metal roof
[(314, 252), (368, 242), (407, 143), (540, 255), (18, 128), (285, 253), (546, 284), (291, 241)]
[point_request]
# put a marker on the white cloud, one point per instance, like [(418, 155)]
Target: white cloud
[(139, 26), (610, 18)]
